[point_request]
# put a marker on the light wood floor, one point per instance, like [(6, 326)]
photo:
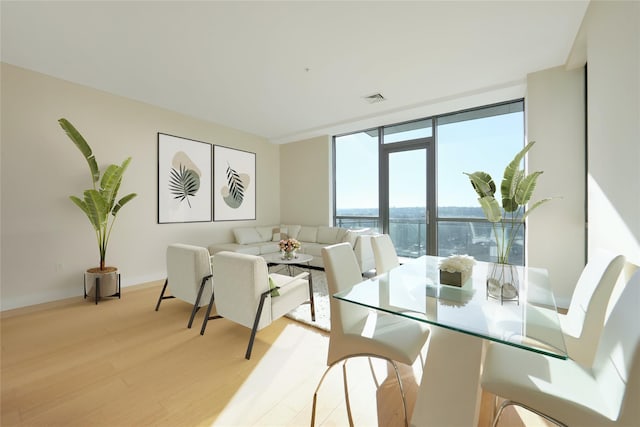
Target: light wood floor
[(120, 363)]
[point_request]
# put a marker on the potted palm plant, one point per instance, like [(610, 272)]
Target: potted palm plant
[(507, 220), (100, 206)]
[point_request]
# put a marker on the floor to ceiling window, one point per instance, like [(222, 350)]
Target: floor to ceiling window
[(408, 180)]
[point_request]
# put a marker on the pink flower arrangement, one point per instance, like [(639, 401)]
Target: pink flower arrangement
[(289, 245)]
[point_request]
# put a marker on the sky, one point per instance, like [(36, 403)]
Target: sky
[(486, 144)]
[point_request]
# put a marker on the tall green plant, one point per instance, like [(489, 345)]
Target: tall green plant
[(99, 202), (516, 190)]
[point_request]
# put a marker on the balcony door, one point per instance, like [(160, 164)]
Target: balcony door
[(405, 212)]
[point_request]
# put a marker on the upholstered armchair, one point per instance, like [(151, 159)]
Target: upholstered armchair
[(188, 276), (244, 293)]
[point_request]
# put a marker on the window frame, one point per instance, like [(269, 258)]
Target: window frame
[(430, 143)]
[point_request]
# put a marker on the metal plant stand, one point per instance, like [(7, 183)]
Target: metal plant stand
[(97, 289)]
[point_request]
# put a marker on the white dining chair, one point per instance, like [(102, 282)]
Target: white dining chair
[(188, 276), (390, 337), (564, 392), (584, 320), (384, 253)]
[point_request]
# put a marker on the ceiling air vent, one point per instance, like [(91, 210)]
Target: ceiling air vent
[(376, 97)]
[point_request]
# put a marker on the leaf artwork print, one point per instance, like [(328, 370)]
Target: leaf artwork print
[(236, 188), (183, 183)]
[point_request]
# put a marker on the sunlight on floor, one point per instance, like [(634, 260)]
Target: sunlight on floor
[(296, 359)]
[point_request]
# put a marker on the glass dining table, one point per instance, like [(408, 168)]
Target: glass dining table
[(463, 320)]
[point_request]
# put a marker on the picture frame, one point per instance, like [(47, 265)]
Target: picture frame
[(184, 180), (234, 184)]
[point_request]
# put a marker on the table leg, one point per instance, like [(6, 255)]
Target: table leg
[(449, 393)]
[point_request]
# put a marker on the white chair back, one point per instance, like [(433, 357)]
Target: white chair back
[(384, 253), (617, 362), (342, 271), (583, 323), (187, 265), (239, 281)]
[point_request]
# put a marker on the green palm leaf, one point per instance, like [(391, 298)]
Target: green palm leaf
[(183, 183), (526, 187), (97, 208), (236, 188), (482, 183), (491, 208), (536, 205), (84, 148), (111, 179), (512, 176), (509, 203), (122, 202)]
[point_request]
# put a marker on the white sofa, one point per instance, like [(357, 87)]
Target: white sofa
[(262, 240)]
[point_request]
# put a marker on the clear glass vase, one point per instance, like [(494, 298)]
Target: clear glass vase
[(502, 282)]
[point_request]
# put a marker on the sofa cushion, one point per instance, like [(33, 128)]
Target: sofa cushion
[(308, 234), (292, 230), (313, 249), (266, 233), (350, 236), (279, 233), (328, 235), (234, 247), (246, 235), (267, 247)]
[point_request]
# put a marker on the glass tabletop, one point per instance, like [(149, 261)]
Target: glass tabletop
[(413, 290)]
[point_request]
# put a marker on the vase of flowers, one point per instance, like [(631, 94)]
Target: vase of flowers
[(507, 220), (288, 248)]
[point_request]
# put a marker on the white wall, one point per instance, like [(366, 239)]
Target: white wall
[(47, 242), (555, 106), (305, 182), (612, 30)]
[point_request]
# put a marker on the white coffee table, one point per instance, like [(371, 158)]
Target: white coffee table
[(301, 261)]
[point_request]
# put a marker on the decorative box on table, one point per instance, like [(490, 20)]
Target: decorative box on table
[(457, 278), (456, 270)]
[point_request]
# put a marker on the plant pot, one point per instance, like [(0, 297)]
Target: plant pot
[(503, 282), (108, 278)]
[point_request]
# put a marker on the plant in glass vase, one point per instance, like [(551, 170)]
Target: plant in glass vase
[(288, 247), (516, 191)]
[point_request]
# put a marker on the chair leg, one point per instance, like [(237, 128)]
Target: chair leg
[(345, 386), (395, 368), (528, 408), (208, 315), (196, 305), (315, 394), (402, 395), (164, 288), (256, 321)]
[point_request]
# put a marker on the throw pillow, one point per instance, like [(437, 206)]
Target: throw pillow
[(292, 230), (279, 233), (273, 287)]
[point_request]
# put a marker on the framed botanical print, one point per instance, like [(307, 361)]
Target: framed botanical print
[(184, 180), (234, 184)]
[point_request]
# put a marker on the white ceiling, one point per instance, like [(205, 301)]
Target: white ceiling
[(294, 69)]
